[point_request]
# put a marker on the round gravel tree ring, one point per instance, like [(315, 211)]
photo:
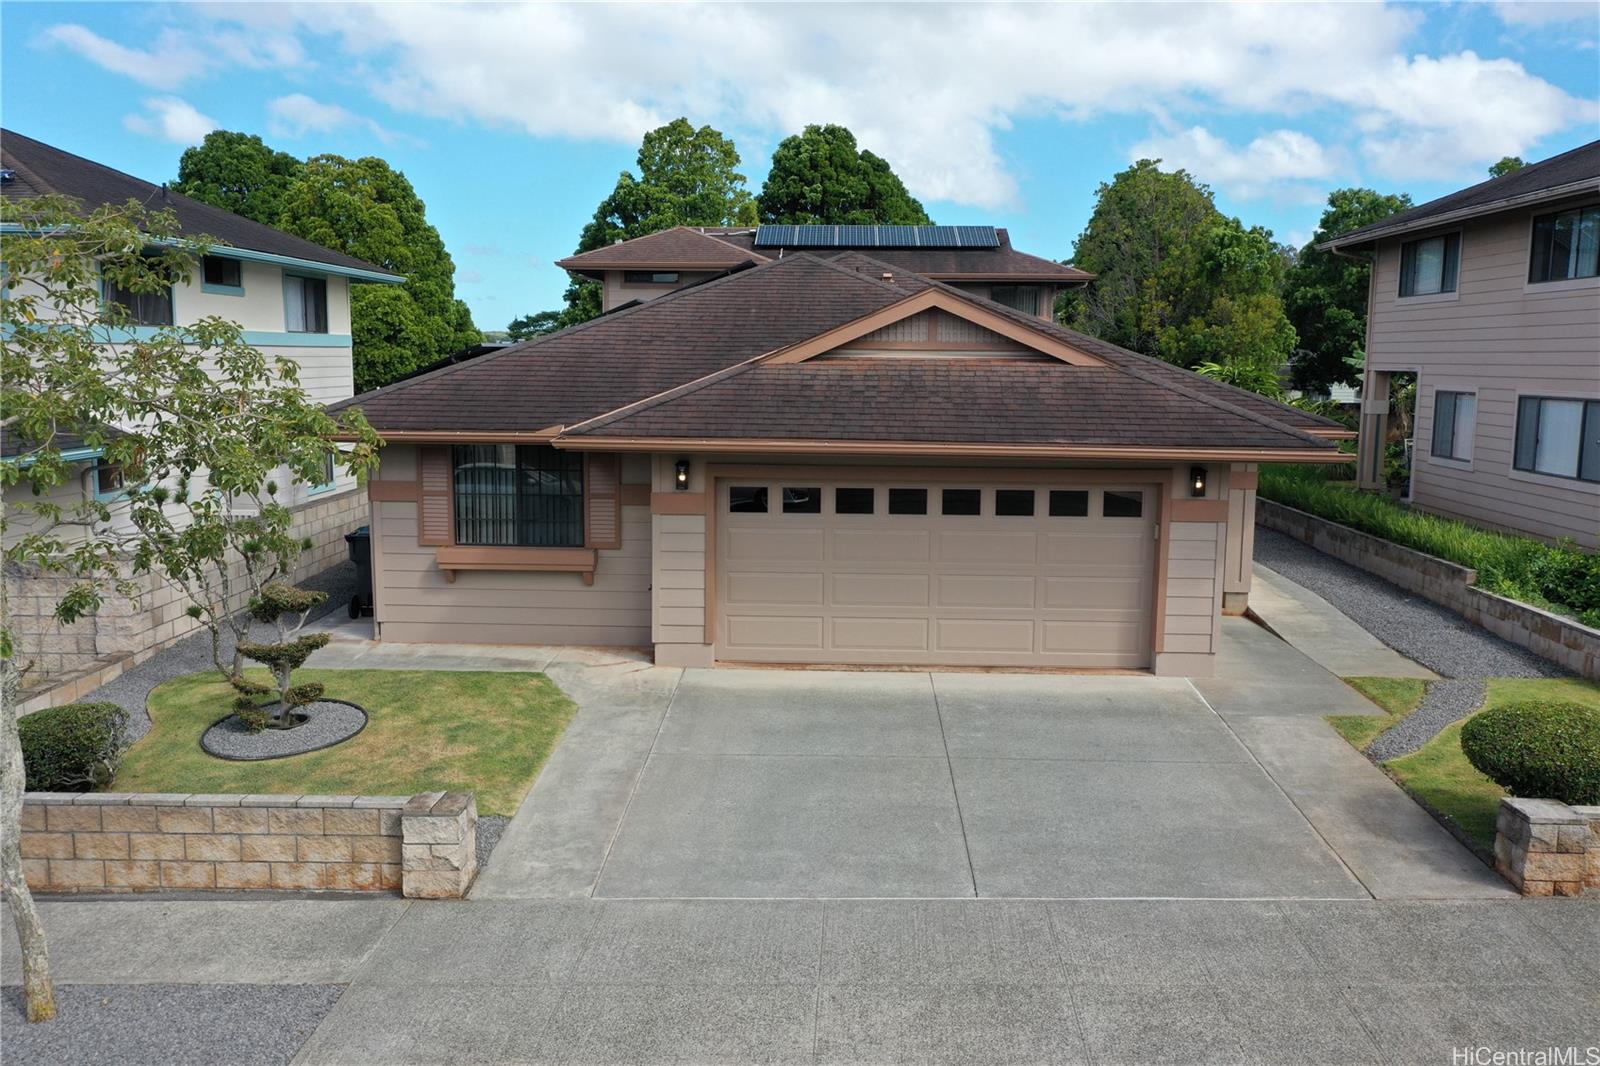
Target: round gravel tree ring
[(329, 722)]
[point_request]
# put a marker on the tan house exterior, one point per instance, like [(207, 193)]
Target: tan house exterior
[(825, 459), (1506, 353)]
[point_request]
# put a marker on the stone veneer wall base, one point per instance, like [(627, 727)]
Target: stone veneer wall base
[(1563, 641), (1545, 848), (144, 842)]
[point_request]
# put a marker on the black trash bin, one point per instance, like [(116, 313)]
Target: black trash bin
[(360, 544)]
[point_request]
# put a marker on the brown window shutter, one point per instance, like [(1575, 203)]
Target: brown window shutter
[(435, 502), (603, 501)]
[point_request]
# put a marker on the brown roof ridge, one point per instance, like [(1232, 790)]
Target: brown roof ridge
[(614, 316), (1084, 340), (832, 263), (579, 256), (677, 392)]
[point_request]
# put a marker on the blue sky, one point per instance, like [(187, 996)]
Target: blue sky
[(513, 120)]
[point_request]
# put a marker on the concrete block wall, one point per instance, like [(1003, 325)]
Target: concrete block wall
[(1545, 848), (132, 842), (71, 660), (1564, 641)]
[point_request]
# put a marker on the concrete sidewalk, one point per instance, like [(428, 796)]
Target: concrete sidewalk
[(954, 981), (1320, 631)]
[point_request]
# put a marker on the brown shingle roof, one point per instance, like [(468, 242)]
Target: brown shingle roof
[(688, 365), (678, 248), (947, 401), (41, 170), (578, 373)]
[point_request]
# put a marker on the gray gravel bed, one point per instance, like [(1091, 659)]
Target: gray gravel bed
[(330, 722), (192, 654), (1443, 703), (1440, 639), (167, 1025), (490, 826)]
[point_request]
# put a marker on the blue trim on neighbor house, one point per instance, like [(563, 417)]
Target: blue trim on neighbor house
[(256, 337), (222, 290), (76, 455)]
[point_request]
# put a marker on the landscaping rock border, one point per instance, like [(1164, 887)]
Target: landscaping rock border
[(331, 722)]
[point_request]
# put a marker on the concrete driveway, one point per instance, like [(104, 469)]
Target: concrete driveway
[(819, 784)]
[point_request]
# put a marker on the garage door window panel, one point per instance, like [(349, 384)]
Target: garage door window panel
[(802, 500), (1013, 503), (1117, 504), (747, 499), (961, 502), (1069, 503), (908, 501), (850, 500)]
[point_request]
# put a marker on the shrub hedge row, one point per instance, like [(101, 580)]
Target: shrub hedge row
[(74, 748), (1542, 749), (1556, 577)]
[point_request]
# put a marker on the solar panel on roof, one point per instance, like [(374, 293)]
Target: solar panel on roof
[(820, 236)]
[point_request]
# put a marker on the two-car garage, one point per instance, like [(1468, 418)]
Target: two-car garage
[(942, 568)]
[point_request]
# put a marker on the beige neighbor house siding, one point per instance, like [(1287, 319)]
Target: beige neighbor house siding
[(417, 602), (1499, 337), (618, 290)]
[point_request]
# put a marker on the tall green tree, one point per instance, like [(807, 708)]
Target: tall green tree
[(1176, 278), (820, 176), (687, 177), (366, 208), (1508, 164), (238, 172), (1325, 294)]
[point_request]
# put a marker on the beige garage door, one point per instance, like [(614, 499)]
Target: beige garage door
[(934, 572)]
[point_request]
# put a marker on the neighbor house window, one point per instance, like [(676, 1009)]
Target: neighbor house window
[(650, 277), (1558, 437), (1566, 245), (143, 308), (1455, 415), (1429, 266), (108, 480), (329, 473), (1021, 297), (305, 304), (530, 495), (220, 272)]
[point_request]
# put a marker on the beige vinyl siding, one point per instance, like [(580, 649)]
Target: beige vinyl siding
[(416, 603), (1500, 338)]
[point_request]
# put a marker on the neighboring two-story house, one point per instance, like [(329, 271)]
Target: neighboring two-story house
[(1491, 296), (292, 298)]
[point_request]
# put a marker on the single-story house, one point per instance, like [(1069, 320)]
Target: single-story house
[(825, 457)]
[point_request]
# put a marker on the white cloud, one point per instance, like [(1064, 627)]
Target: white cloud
[(297, 114), (1538, 13), (1270, 163), (933, 87), (171, 119), (171, 60)]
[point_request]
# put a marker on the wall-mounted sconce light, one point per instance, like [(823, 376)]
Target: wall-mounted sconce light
[(1197, 481), (680, 479)]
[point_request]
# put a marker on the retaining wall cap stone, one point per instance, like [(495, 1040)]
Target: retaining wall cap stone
[(213, 799), (260, 799), (451, 804), (324, 801), (162, 799), (51, 798), (387, 803), (103, 799), (1542, 810), (422, 802)]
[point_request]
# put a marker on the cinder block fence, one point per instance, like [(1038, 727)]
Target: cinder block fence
[(1545, 848), (128, 842)]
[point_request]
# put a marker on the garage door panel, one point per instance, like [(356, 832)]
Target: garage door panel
[(879, 590), (773, 631), (1107, 549), (882, 545), (1127, 638), (984, 634), (880, 634), (755, 587), (986, 548), (1013, 591), (985, 589), (759, 542), (1100, 593)]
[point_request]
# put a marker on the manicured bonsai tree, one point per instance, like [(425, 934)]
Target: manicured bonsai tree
[(286, 607), (1541, 749)]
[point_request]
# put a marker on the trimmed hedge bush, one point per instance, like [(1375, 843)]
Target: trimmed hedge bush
[(1561, 578), (1539, 749), (75, 748)]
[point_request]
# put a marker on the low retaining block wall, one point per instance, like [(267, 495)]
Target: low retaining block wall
[(1563, 641), (1546, 848), (128, 842)]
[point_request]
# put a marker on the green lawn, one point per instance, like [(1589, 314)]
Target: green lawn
[(1397, 696), (1440, 775), (488, 733)]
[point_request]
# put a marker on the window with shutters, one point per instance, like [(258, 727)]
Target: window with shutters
[(522, 495)]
